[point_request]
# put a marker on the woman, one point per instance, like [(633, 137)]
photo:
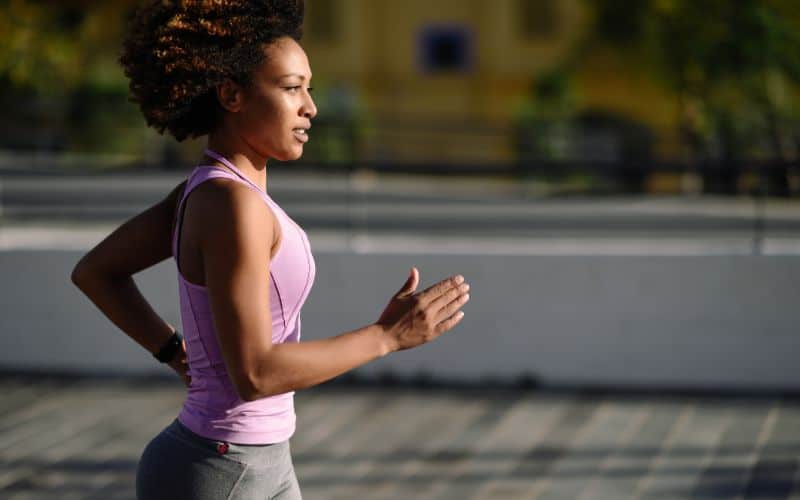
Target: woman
[(234, 71)]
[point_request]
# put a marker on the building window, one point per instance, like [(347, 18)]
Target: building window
[(445, 49), (321, 20), (538, 19)]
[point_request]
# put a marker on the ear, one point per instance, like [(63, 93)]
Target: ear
[(230, 95)]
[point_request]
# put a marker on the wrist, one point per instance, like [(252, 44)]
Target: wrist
[(388, 342), (170, 348)]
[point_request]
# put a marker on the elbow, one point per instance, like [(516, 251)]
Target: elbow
[(81, 275), (86, 275), (246, 391), (249, 396), (252, 388)]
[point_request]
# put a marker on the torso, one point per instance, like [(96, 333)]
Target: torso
[(213, 408)]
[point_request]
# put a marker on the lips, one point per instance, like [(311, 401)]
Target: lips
[(301, 134)]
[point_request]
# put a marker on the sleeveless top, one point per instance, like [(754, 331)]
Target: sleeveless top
[(212, 407)]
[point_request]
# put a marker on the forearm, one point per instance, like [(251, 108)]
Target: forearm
[(105, 273), (294, 366), (122, 302)]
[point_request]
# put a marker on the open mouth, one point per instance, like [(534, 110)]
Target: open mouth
[(301, 134)]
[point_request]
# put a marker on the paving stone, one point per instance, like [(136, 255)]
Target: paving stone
[(82, 438)]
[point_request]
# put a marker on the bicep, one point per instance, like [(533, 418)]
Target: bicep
[(235, 250), (139, 243)]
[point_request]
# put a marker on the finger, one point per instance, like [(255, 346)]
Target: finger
[(449, 323), (446, 298), (410, 285), (452, 307), (433, 292)]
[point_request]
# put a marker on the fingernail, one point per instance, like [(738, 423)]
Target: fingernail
[(459, 279)]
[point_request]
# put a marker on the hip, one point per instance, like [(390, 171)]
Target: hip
[(178, 463)]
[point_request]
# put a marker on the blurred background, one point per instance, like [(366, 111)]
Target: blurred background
[(622, 174), (581, 96), (625, 170), (618, 180)]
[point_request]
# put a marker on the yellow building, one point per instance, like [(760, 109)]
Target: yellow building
[(443, 79)]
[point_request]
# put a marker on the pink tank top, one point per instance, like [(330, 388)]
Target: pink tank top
[(212, 407)]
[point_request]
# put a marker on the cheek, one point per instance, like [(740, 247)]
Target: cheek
[(272, 117), (268, 122), (262, 124)]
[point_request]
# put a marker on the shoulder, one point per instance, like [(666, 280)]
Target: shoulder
[(225, 206), (175, 195)]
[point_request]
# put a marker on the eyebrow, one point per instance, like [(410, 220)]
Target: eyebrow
[(302, 77)]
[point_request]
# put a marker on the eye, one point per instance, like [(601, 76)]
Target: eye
[(295, 88)]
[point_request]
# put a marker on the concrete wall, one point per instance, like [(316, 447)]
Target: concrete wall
[(716, 321)]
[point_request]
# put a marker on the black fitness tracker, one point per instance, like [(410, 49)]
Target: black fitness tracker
[(170, 348)]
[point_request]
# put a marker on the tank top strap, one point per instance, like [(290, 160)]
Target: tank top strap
[(213, 154)]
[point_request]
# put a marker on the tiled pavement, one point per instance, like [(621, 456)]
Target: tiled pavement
[(67, 438)]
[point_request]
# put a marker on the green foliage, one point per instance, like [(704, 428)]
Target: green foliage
[(102, 119), (736, 62), (543, 119), (37, 49), (61, 83)]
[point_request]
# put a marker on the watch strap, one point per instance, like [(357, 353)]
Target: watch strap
[(170, 348)]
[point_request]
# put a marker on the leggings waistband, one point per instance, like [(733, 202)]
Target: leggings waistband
[(252, 454)]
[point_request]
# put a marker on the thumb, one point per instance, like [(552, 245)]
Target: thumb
[(411, 283)]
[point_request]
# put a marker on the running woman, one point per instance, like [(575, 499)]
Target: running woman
[(234, 71)]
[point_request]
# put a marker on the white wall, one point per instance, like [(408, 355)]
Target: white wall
[(693, 321)]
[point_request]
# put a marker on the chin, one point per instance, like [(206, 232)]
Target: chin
[(292, 155)]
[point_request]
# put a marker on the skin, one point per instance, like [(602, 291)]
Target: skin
[(229, 235)]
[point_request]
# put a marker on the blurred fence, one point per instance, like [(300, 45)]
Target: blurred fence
[(358, 205), (583, 159)]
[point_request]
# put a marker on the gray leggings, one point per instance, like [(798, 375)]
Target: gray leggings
[(178, 464)]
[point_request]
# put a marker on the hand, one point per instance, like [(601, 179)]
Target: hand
[(411, 319), (181, 365)]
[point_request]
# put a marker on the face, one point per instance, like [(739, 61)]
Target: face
[(273, 114)]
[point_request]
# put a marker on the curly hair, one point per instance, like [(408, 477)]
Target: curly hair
[(176, 52)]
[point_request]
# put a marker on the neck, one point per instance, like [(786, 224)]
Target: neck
[(243, 157)]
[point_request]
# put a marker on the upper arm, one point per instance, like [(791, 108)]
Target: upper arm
[(235, 247), (140, 242)]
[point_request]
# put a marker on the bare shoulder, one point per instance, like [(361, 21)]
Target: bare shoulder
[(226, 207)]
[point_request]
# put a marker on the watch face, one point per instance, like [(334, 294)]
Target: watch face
[(167, 352)]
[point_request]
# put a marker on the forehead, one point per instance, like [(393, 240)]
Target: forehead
[(285, 57)]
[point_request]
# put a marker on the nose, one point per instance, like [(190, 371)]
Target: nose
[(309, 109)]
